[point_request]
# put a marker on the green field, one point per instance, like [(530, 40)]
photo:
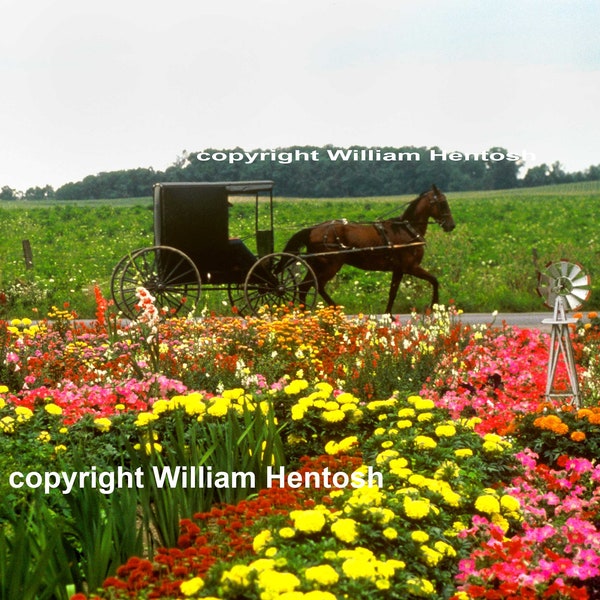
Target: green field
[(485, 264)]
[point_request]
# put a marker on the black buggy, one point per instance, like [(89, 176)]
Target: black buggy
[(193, 251)]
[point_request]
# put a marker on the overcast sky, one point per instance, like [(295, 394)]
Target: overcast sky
[(108, 85)]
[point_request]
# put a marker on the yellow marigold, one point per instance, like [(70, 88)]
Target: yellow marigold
[(322, 574), (287, 533), (312, 595), (192, 586), (430, 556), (308, 521), (3, 389), (346, 398), (510, 503), (420, 587), (445, 548), (404, 424), (237, 576), (424, 442), (103, 424), (463, 452), (44, 437), (144, 418), (333, 416), (23, 413), (419, 536), (416, 509), (298, 412), (345, 530), (262, 564), (445, 430), (406, 413), (275, 583), (219, 406), (161, 406), (365, 496), (261, 540), (324, 387), (359, 568), (389, 533), (487, 504), (492, 442), (500, 520), (53, 409), (295, 387), (385, 456), (399, 467), (423, 403), (194, 404), (379, 404)]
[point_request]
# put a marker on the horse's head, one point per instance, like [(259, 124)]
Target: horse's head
[(439, 209)]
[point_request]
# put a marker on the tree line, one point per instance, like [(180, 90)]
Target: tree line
[(326, 171)]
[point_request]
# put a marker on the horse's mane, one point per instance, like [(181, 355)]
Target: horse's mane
[(410, 209)]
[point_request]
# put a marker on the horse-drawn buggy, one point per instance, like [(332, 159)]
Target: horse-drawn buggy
[(193, 250)]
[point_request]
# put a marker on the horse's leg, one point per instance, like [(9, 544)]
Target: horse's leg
[(325, 271), (421, 273), (394, 285)]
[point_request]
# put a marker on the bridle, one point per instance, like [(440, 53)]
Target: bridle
[(445, 215)]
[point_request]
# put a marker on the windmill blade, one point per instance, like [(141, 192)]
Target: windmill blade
[(581, 294), (554, 271), (583, 281), (574, 271), (573, 302)]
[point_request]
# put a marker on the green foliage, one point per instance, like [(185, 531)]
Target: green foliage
[(485, 264)]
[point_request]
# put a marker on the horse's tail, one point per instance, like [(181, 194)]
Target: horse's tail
[(298, 240)]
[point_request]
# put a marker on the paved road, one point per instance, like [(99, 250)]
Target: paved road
[(524, 320)]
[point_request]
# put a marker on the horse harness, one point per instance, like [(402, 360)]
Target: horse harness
[(338, 244)]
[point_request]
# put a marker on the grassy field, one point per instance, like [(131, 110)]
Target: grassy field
[(485, 264)]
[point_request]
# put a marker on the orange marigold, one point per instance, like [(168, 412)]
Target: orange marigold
[(552, 423), (578, 436)]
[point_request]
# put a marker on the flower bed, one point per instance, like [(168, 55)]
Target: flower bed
[(294, 456)]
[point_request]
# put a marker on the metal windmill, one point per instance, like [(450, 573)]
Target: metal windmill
[(564, 286)]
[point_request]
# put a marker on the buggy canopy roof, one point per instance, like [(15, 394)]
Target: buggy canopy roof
[(232, 187)]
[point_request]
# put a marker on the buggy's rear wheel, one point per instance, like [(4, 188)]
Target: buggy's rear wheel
[(168, 274), (115, 281), (279, 279)]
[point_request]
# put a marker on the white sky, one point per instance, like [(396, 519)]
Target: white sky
[(109, 85)]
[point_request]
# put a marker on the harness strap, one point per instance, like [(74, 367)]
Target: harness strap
[(381, 230), (337, 242), (412, 230)]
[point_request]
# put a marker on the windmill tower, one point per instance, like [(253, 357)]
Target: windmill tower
[(564, 286)]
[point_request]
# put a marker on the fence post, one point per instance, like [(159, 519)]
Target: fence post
[(28, 254)]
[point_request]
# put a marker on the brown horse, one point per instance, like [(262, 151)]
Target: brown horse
[(395, 245)]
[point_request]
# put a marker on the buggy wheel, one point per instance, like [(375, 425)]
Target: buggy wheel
[(279, 279), (115, 281), (237, 298), (168, 274)]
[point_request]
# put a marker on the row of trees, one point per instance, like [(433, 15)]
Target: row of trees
[(316, 173)]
